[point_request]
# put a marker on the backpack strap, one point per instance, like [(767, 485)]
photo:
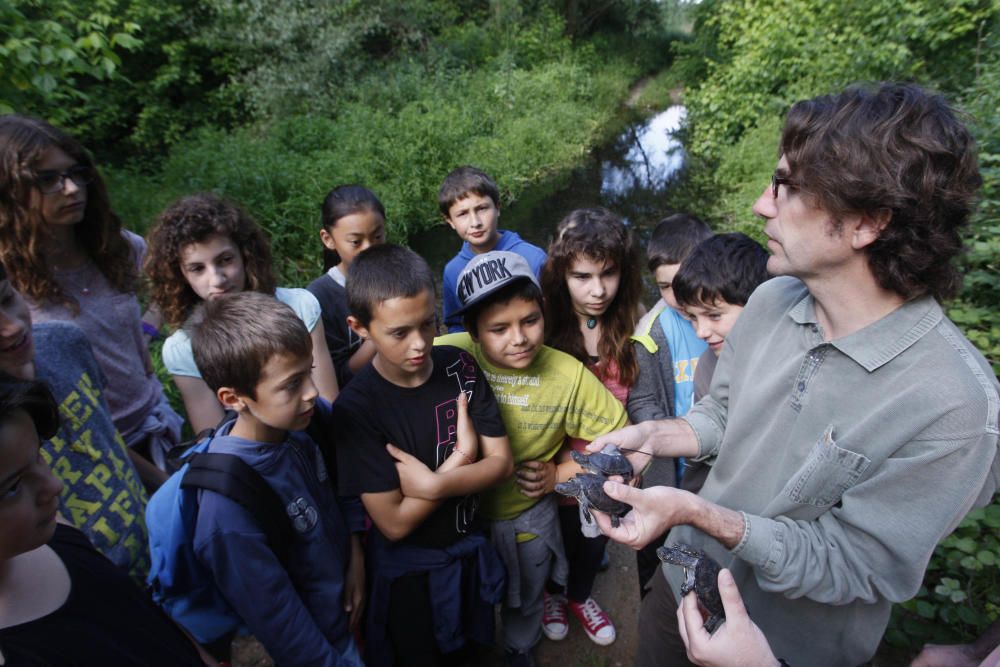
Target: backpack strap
[(179, 453), (234, 478)]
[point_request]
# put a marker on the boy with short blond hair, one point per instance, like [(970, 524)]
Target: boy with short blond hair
[(256, 355), (403, 447), (545, 395), (470, 203)]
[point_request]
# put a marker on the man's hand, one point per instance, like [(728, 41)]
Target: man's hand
[(416, 480), (654, 510), (737, 643), (950, 655), (536, 478), (354, 584), (641, 442), (630, 440)]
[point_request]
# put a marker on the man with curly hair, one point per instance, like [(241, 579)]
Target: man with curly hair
[(850, 424)]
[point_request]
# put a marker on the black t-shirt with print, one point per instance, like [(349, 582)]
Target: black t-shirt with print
[(371, 411)]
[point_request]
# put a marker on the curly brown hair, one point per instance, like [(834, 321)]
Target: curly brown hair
[(895, 148), (193, 219), (23, 232), (601, 236)]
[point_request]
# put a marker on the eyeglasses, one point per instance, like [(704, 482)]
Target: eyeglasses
[(779, 180), (49, 182)]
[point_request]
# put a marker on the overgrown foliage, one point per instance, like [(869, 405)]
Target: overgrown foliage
[(50, 47), (511, 93)]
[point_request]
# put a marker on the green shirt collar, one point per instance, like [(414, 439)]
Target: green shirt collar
[(881, 341)]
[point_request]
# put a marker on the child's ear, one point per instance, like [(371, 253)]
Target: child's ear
[(327, 239), (230, 399), (357, 327)]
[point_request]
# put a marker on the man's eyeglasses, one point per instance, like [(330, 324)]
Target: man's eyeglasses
[(779, 180), (49, 181)]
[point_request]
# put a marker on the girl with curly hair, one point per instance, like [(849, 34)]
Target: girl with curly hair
[(204, 246), (591, 288), (66, 251)]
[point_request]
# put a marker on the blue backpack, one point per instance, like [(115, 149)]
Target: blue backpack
[(179, 582)]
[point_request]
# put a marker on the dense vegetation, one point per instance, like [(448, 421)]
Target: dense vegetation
[(747, 63), (274, 103)]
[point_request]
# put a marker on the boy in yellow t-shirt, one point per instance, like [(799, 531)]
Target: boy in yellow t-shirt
[(544, 395)]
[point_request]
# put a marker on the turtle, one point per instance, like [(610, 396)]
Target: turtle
[(701, 575), (608, 462), (588, 489)]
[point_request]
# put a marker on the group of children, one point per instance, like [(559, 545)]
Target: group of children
[(334, 394)]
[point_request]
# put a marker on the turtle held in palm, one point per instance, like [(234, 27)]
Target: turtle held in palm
[(701, 575), (608, 462), (588, 489)]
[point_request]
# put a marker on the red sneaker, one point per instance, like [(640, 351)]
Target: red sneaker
[(599, 627), (555, 624)]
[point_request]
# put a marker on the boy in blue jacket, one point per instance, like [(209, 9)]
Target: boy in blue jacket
[(257, 356), (470, 203)]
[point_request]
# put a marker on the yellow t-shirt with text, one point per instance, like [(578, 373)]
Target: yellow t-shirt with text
[(541, 405)]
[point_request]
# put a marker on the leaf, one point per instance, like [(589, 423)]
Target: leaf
[(969, 616), (986, 557), (925, 609), (966, 544), (970, 563)]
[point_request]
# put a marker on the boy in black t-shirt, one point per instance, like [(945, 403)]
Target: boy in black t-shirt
[(407, 447)]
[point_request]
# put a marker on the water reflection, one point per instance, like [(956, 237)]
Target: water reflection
[(653, 156)]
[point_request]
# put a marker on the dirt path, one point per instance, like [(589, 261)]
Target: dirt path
[(617, 590)]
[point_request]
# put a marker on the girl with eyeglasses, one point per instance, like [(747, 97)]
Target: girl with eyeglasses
[(66, 251)]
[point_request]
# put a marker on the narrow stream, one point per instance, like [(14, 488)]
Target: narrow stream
[(630, 175)]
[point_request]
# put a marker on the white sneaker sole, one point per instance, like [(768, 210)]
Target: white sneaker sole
[(601, 641), (555, 635)]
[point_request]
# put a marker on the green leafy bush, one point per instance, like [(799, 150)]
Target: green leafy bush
[(520, 124), (49, 50)]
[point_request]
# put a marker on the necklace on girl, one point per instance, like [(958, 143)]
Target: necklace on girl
[(591, 322)]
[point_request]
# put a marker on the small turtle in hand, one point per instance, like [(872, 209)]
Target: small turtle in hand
[(588, 489), (608, 462), (701, 575)]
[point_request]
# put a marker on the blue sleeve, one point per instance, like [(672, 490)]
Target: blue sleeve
[(449, 298), (270, 607), (537, 260)]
